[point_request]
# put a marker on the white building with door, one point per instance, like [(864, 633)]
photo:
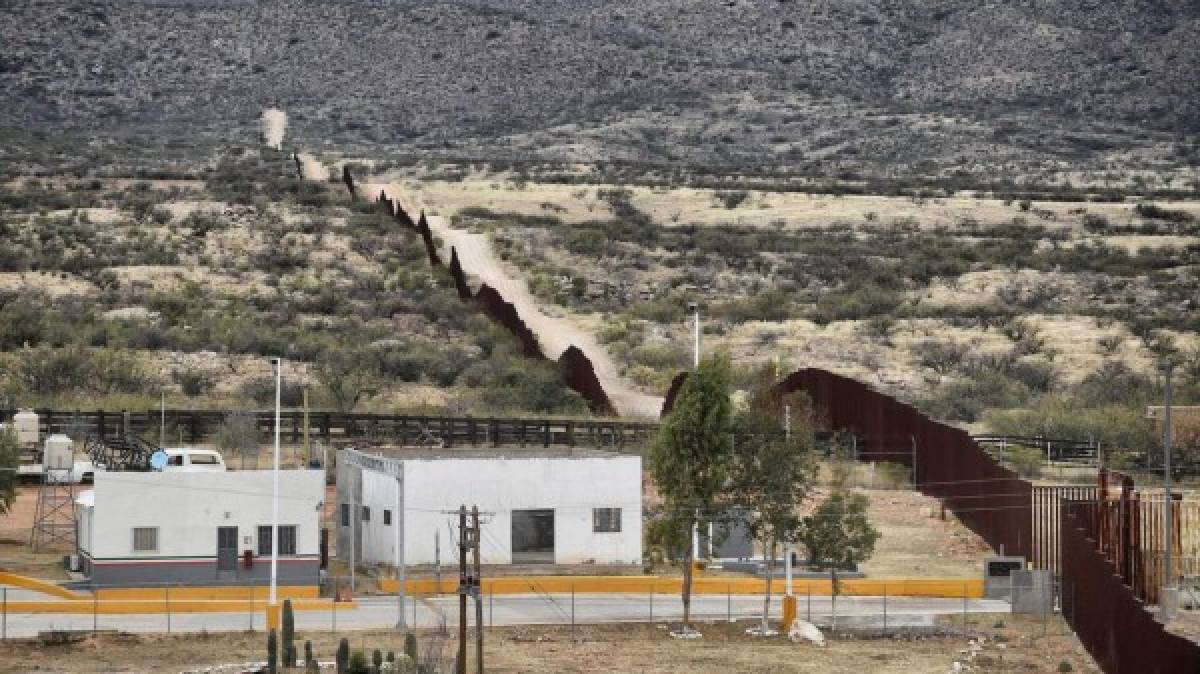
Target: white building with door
[(538, 506), (199, 528)]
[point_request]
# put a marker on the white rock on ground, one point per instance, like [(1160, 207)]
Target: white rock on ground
[(803, 630)]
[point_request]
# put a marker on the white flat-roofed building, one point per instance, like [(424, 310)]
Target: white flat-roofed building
[(199, 528), (539, 506)]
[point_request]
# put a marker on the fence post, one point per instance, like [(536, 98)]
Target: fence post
[(95, 608), (885, 608), (651, 603), (810, 603), (167, 601), (572, 610), (4, 617), (492, 607)]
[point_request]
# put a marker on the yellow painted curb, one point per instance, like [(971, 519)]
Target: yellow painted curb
[(228, 592), (896, 587), (127, 607), (43, 586)]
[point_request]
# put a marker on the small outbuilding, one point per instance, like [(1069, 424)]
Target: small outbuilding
[(539, 506), (199, 528)]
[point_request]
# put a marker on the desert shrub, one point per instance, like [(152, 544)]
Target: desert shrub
[(1115, 383), (358, 663), (966, 400), (731, 199), (262, 391), (1026, 460), (46, 371), (237, 432), (1154, 211), (194, 381), (941, 356), (1115, 426), (769, 305), (1094, 222), (854, 303)]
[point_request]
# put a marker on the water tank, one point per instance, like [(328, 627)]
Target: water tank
[(25, 423), (59, 454)]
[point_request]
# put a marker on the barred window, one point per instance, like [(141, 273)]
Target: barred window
[(366, 514), (287, 540), (606, 520), (387, 518), (345, 514), (145, 539)]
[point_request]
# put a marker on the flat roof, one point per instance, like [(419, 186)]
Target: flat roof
[(498, 453)]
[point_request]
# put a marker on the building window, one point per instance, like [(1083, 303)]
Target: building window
[(287, 540), (145, 539), (345, 514), (606, 520), (387, 518), (366, 514)]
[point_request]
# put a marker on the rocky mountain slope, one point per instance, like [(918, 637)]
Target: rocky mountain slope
[(820, 85)]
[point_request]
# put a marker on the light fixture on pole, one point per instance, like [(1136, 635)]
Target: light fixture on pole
[(694, 308), (1167, 594), (278, 365)]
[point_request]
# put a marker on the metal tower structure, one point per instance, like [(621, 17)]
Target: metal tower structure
[(54, 517)]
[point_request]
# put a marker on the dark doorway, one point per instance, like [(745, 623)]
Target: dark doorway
[(227, 545), (533, 536)]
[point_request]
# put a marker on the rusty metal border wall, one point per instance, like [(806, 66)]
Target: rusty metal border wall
[(577, 369), (1113, 624)]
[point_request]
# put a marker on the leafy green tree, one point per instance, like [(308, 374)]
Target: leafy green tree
[(773, 467), (691, 456), (10, 456), (838, 535)]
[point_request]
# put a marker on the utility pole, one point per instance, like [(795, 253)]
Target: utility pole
[(476, 590), (1168, 516), (463, 581)]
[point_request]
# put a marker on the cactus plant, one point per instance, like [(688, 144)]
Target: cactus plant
[(289, 635), (410, 647), (308, 654), (358, 663), (272, 652), (343, 656), (377, 660)]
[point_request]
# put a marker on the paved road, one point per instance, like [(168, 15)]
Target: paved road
[(382, 612)]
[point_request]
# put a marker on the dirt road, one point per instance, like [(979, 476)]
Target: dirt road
[(554, 329)]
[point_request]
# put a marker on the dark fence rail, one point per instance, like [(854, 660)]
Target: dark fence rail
[(1113, 624), (1054, 449), (330, 427)]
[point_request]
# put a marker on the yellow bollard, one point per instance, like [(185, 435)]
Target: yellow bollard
[(789, 613), (274, 616)]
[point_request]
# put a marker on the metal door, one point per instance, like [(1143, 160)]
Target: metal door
[(227, 544), (533, 536)]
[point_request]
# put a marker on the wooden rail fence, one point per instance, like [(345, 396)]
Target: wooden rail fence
[(190, 426)]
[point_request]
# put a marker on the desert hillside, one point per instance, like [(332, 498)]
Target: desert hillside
[(933, 87)]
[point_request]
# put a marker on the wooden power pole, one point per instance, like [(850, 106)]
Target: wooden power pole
[(476, 589), (461, 665)]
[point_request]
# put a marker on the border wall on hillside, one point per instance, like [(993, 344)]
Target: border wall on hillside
[(578, 371)]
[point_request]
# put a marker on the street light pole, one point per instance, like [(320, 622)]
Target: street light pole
[(695, 309), (278, 363), (1168, 516)]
